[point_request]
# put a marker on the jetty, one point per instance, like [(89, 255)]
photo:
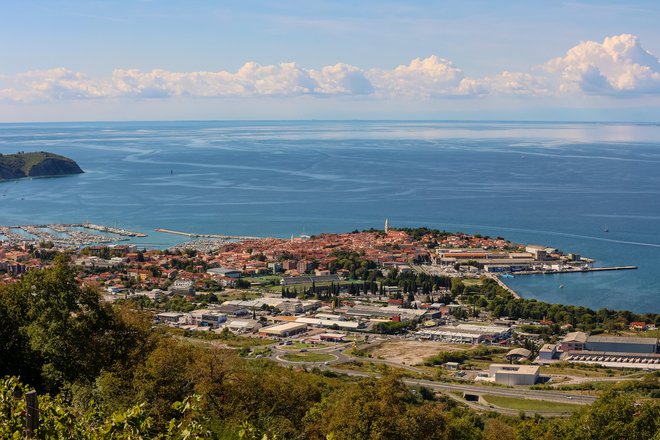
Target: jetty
[(216, 236)]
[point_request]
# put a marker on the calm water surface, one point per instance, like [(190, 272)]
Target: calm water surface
[(557, 184)]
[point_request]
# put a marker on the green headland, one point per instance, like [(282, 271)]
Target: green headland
[(37, 164)]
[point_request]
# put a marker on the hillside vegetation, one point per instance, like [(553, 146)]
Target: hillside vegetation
[(103, 371)]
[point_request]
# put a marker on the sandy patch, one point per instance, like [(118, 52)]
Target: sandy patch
[(413, 352)]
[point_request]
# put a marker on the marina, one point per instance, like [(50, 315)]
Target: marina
[(65, 236)]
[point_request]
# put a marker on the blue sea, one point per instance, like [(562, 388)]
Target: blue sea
[(557, 184)]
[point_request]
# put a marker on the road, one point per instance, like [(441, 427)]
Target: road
[(445, 387)]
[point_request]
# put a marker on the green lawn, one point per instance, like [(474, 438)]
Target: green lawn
[(375, 367), (308, 357), (245, 341), (263, 351), (583, 370), (243, 294), (266, 279), (471, 281), (529, 404)]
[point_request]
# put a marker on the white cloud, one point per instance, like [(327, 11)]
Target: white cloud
[(342, 79), (287, 79), (58, 83), (426, 78), (617, 66), (513, 83)]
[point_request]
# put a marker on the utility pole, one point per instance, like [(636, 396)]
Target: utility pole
[(31, 414)]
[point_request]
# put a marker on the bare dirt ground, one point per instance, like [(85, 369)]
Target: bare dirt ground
[(413, 352)]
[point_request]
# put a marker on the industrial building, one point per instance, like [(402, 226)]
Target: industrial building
[(649, 361), (221, 271), (169, 317), (284, 330), (467, 333), (285, 305), (618, 344), (390, 312), (328, 323), (243, 325), (207, 317), (506, 374), (611, 351)]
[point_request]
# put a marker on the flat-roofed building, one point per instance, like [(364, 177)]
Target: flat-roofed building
[(224, 272), (620, 344), (646, 361), (388, 312), (243, 325), (232, 310), (467, 333), (170, 317), (207, 317), (506, 374), (330, 323), (332, 337), (284, 330), (548, 352), (538, 252)]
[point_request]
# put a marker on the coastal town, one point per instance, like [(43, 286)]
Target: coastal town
[(428, 302)]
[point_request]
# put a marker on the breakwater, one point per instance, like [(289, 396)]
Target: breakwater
[(196, 235), (576, 270), (504, 286)]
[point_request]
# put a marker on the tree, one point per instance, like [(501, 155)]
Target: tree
[(60, 332)]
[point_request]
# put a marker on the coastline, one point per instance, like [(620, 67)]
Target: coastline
[(503, 285)]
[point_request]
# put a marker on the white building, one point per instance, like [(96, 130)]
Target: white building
[(506, 374), (284, 330), (547, 353), (243, 325), (329, 323)]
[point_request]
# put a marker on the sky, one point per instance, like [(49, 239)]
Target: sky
[(75, 60)]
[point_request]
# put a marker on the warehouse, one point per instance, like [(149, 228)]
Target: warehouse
[(649, 361), (617, 344), (467, 333), (329, 323), (284, 330)]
